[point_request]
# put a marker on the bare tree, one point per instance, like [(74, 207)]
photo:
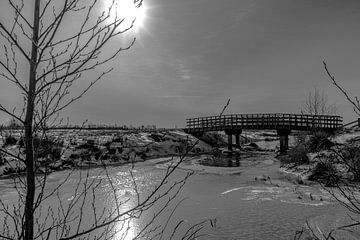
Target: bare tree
[(55, 64), (354, 101), (57, 59), (317, 103)]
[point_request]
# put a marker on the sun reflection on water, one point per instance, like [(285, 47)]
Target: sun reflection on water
[(126, 230), (129, 226)]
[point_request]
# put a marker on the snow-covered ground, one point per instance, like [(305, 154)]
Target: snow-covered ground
[(346, 137)]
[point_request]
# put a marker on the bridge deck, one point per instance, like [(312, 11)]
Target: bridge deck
[(272, 121)]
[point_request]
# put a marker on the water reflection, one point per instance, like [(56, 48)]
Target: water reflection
[(126, 229), (234, 161), (149, 219), (126, 185)]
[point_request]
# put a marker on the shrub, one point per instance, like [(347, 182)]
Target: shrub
[(2, 159), (115, 158), (112, 151), (88, 146), (13, 170), (300, 138), (47, 148), (120, 150), (118, 139), (213, 139), (181, 148), (74, 156), (319, 141), (297, 155), (325, 172), (156, 137), (10, 141), (350, 156), (107, 144), (98, 155)]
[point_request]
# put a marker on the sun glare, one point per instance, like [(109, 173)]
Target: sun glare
[(127, 10)]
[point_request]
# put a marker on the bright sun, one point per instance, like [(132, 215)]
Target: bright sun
[(127, 10)]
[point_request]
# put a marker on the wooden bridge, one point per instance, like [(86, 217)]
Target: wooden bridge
[(234, 124)]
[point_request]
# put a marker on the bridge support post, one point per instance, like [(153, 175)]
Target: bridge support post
[(230, 142), (237, 139), (237, 133), (230, 134), (284, 139)]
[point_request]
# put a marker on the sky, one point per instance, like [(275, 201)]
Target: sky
[(191, 56)]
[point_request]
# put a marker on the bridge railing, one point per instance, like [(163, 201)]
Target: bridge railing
[(264, 121)]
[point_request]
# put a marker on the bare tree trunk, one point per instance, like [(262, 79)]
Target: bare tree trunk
[(30, 161)]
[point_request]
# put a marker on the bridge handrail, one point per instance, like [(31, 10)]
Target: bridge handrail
[(274, 114), (268, 120), (351, 123)]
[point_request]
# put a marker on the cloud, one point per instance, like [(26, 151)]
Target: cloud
[(182, 70), (186, 77), (178, 96), (184, 73)]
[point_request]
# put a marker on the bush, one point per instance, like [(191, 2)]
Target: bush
[(300, 138), (118, 139), (2, 159), (10, 141), (88, 146), (325, 172), (351, 158), (47, 148), (112, 151), (156, 137), (297, 155), (74, 156), (319, 141), (13, 170), (107, 144), (213, 139), (181, 148)]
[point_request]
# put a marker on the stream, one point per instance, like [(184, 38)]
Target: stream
[(244, 206)]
